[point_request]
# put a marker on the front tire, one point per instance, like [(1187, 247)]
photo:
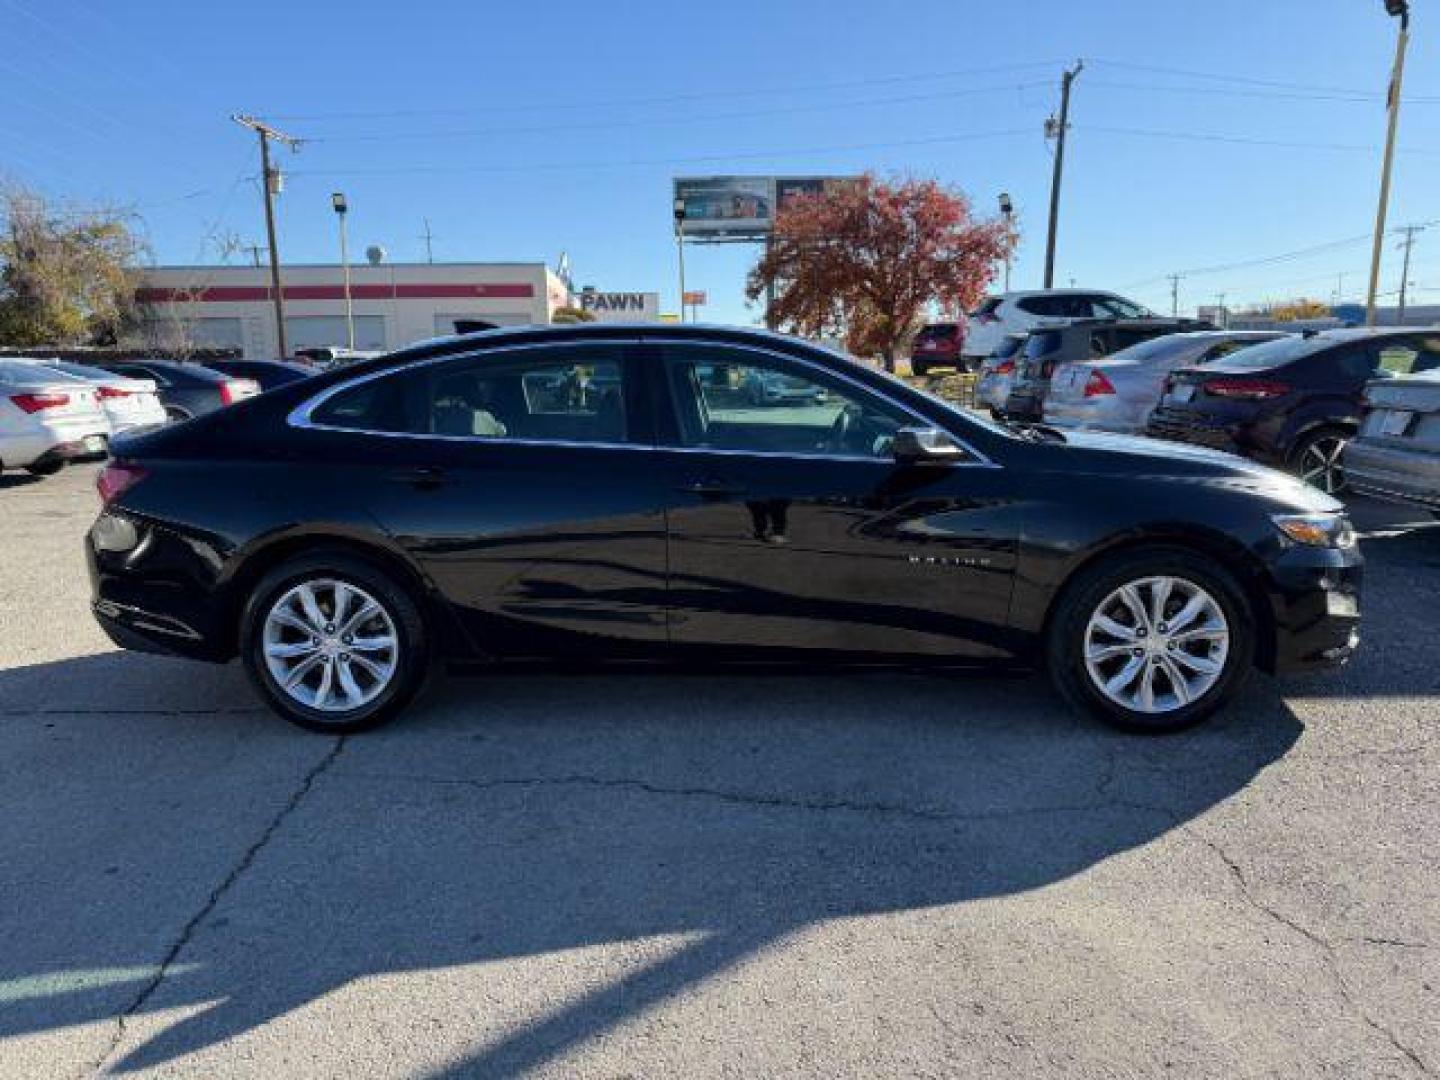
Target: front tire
[(333, 643), (1154, 640)]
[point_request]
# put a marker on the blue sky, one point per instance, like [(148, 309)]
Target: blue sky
[(1204, 134)]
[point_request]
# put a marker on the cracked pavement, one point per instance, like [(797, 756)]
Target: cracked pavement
[(709, 874)]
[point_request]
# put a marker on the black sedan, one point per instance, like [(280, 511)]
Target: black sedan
[(446, 504), (1295, 401)]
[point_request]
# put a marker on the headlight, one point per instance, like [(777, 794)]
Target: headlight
[(1317, 530)]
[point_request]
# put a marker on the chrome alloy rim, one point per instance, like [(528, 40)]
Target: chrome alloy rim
[(1322, 464), (1156, 644), (330, 645)]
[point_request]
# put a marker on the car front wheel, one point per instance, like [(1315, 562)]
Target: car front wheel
[(1154, 640), (333, 644)]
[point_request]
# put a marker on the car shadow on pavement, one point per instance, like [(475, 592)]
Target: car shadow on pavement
[(675, 823)]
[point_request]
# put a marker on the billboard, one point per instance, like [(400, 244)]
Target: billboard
[(737, 207), (620, 306)]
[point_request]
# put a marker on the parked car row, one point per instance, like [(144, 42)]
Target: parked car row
[(54, 411), (1291, 400)]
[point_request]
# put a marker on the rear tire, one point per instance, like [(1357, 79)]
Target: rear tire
[(1318, 459), (1151, 672), (50, 468), (333, 643), (920, 368)]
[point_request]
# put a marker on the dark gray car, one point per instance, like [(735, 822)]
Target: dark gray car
[(186, 390)]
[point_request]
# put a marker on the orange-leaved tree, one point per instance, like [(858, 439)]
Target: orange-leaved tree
[(865, 260)]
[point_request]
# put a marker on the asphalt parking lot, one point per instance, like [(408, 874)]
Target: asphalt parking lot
[(673, 874)]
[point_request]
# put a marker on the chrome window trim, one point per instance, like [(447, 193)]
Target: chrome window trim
[(300, 417)]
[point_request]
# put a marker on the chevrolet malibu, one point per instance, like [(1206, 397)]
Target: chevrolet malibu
[(346, 534)]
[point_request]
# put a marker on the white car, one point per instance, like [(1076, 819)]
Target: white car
[(128, 403), (1016, 312), (47, 418)]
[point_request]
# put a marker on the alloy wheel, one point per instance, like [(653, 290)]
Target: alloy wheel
[(1156, 644), (1322, 464), (329, 645)]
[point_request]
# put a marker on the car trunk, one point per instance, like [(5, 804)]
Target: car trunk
[(1405, 412)]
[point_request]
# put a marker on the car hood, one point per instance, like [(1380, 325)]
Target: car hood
[(1137, 456)]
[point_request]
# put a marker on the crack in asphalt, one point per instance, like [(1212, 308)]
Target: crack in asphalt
[(740, 798), (187, 932), (1326, 949)]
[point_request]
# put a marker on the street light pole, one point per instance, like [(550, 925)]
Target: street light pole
[(337, 200), (680, 250), (1401, 10)]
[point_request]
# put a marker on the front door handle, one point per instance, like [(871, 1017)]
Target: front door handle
[(421, 476), (712, 488)]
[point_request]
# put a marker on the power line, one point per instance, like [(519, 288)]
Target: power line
[(778, 152), (1246, 140), (1248, 92), (1245, 80), (702, 95), (685, 120)]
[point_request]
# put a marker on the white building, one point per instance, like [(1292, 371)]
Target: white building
[(394, 303)]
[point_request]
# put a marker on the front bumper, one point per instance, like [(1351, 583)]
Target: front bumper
[(1315, 607)]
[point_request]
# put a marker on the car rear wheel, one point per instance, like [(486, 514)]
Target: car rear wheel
[(1319, 460), (49, 468), (1153, 640), (333, 643)]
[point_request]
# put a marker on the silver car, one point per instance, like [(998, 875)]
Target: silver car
[(1117, 393), (997, 374), (1396, 456)]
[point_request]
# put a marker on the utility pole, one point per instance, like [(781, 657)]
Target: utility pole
[(1220, 310), (254, 250), (1058, 130), (680, 250), (429, 252), (270, 179), (1401, 10), (1174, 295), (1406, 245)]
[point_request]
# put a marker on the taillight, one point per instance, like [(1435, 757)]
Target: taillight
[(113, 392), (234, 390), (1246, 389), (1098, 384), (116, 478), (33, 403), (1005, 367)]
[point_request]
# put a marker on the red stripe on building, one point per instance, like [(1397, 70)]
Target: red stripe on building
[(239, 294)]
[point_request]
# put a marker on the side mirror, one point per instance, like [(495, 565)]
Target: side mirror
[(915, 445)]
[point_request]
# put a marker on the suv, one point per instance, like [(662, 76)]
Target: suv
[(938, 345), (1090, 339), (1294, 402), (1013, 312)]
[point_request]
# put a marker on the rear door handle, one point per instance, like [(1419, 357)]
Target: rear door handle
[(712, 488), (421, 476)]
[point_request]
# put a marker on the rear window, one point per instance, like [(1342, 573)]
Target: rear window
[(1008, 347), (1038, 344), (937, 330), (1273, 354)]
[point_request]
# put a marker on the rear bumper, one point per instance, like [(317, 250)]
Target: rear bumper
[(153, 592), (1099, 414), (1315, 607), (1217, 433), (1393, 473)]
